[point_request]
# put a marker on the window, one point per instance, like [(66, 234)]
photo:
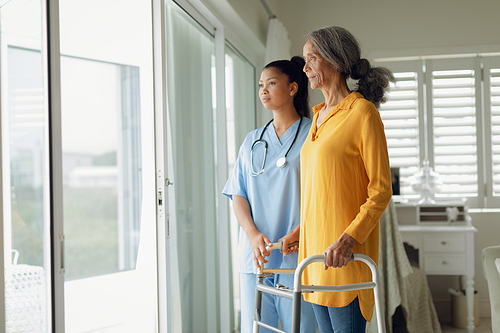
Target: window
[(491, 72), (435, 112), (102, 166), (107, 140), (240, 113), (452, 106), (101, 121), (91, 179), (400, 115), (25, 155)]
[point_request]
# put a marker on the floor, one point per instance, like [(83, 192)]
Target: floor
[(484, 327)]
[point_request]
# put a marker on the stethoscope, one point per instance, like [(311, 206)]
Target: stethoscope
[(281, 162)]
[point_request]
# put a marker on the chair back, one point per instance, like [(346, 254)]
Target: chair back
[(492, 275)]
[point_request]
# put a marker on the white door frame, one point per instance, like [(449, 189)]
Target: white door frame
[(51, 43)]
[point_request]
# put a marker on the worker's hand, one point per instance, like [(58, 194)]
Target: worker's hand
[(292, 236), (258, 242), (339, 253)]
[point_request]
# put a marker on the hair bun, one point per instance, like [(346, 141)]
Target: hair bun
[(361, 69), (298, 61)]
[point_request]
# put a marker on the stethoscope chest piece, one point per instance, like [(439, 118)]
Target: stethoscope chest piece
[(281, 162)]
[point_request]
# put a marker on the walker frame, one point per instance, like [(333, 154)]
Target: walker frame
[(295, 294)]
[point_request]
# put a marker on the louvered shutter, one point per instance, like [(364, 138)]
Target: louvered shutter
[(400, 115), (492, 130), (453, 101)]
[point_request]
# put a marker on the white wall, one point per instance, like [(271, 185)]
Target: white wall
[(248, 35), (385, 27), (394, 25), (390, 28)]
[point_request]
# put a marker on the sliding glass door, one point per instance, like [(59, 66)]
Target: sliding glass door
[(108, 169), (108, 166), (25, 173), (97, 129)]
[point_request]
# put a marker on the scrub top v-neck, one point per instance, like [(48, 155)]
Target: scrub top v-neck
[(274, 195)]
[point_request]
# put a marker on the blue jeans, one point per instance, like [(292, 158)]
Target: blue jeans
[(347, 319)]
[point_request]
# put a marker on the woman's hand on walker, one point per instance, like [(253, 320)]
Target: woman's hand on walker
[(258, 242), (292, 236), (339, 253)]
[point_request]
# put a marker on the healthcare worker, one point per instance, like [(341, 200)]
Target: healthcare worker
[(265, 189)]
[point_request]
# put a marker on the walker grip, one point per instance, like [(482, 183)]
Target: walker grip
[(279, 246), (324, 258), (289, 244)]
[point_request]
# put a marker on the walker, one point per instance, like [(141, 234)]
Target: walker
[(296, 294)]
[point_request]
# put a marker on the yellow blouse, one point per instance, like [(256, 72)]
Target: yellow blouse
[(346, 186)]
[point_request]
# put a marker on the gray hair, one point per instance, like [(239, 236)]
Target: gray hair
[(339, 47)]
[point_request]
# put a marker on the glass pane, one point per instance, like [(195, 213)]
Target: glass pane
[(108, 163), (25, 172), (102, 191), (192, 198), (240, 115)]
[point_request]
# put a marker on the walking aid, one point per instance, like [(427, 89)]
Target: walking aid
[(296, 294)]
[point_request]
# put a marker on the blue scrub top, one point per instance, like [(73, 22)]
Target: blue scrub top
[(274, 195)]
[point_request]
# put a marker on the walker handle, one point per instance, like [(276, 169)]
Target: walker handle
[(297, 286), (280, 246)]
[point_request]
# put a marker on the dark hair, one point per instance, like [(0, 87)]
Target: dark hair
[(339, 47), (293, 68)]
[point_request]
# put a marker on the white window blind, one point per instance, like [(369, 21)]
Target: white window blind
[(495, 127), (453, 102), (492, 129), (445, 95), (400, 115)]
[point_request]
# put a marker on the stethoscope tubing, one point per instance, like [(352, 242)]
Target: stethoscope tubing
[(261, 141), (256, 142)]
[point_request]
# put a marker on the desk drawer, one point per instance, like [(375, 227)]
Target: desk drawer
[(444, 243), (444, 263)]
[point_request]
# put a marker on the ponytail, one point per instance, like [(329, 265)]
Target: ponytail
[(293, 68)]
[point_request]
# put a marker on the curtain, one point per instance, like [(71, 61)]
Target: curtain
[(277, 43), (192, 207)]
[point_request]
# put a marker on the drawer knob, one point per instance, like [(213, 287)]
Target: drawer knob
[(445, 263), (443, 243)]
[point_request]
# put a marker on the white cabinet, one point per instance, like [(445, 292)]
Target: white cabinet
[(444, 237), (440, 264), (444, 243)]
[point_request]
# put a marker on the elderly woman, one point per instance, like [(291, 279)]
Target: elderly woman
[(345, 176)]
